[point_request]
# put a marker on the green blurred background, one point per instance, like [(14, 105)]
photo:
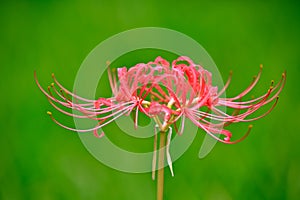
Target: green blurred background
[(40, 160)]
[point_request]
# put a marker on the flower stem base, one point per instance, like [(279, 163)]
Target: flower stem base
[(160, 172)]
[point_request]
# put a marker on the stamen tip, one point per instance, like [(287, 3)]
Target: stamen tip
[(52, 75), (49, 113), (107, 62), (261, 66), (52, 84), (34, 74), (230, 72), (250, 126)]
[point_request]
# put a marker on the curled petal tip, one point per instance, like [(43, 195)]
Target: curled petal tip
[(98, 135), (49, 113)]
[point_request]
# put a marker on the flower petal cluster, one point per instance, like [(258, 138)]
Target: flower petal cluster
[(167, 92)]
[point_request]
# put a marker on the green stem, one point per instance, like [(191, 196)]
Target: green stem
[(160, 173)]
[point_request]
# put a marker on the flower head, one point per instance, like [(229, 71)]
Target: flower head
[(168, 93)]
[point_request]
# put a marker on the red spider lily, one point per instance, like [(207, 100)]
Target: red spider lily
[(167, 94)]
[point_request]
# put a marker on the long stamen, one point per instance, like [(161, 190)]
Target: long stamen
[(249, 88), (45, 93), (86, 130), (263, 115), (65, 112), (68, 92), (111, 78), (226, 85), (242, 138)]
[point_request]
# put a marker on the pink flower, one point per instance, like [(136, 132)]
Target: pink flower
[(167, 94)]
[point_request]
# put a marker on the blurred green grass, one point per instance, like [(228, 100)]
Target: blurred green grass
[(40, 160)]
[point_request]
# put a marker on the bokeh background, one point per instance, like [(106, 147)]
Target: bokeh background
[(40, 160)]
